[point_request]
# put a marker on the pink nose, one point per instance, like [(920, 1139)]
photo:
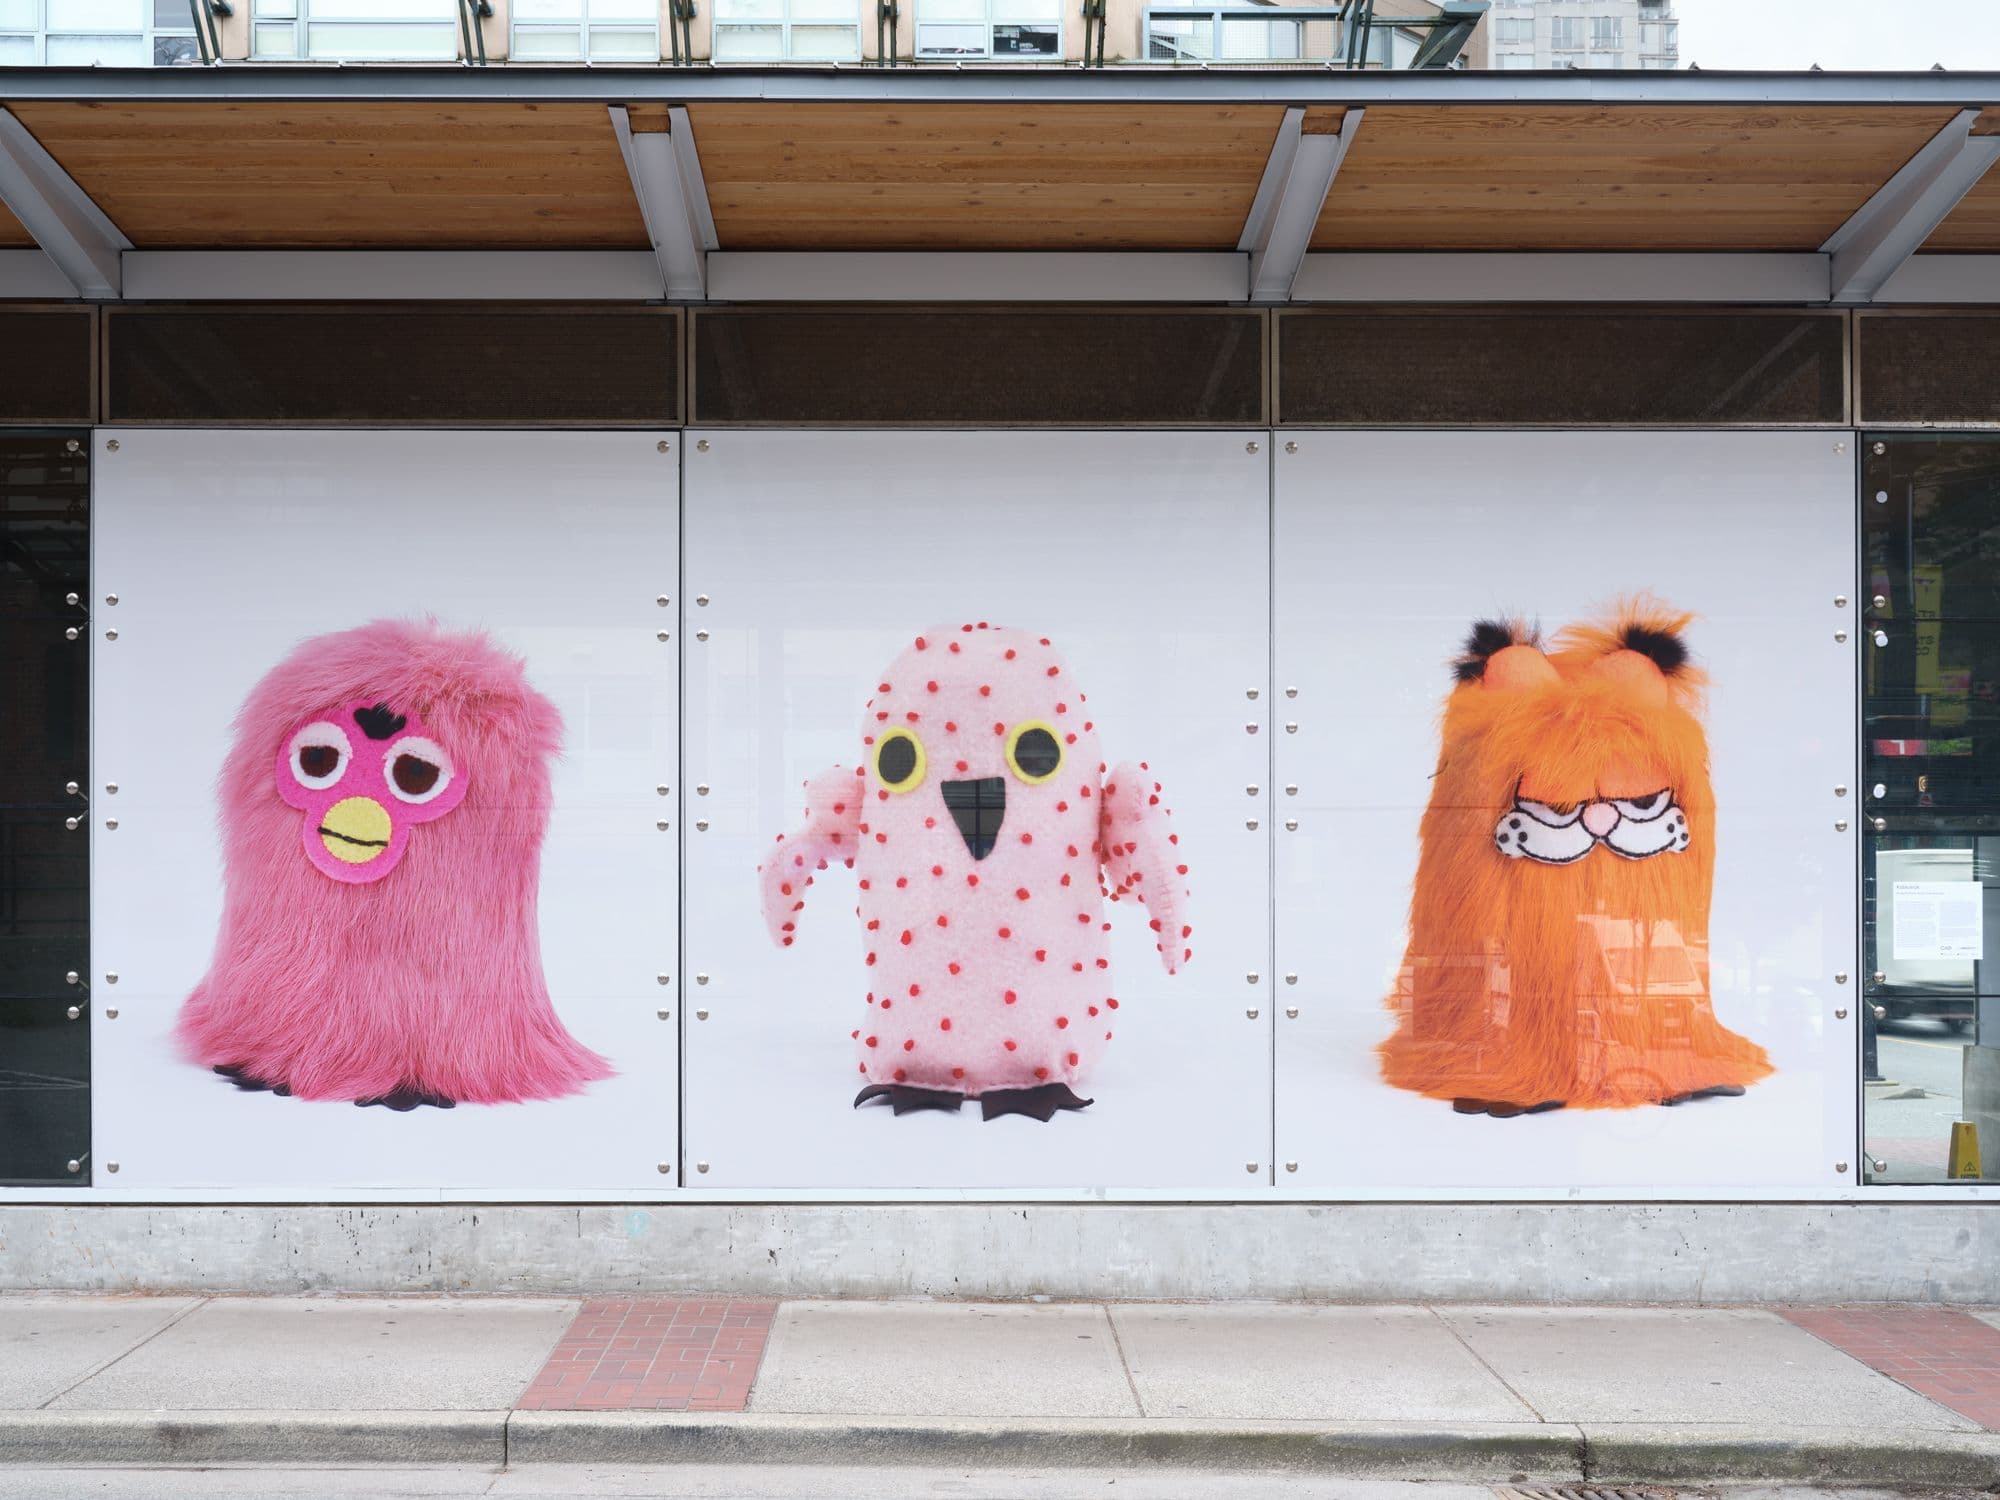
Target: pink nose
[(1599, 818)]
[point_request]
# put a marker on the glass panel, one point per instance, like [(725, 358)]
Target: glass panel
[(97, 51), (44, 866), (749, 43), (929, 11), (625, 43), (825, 43), (173, 15), (278, 40), (749, 10), (1516, 60), (381, 11), (17, 15), (1010, 11), (539, 43), (96, 15), (842, 11), (1180, 39), (647, 11), (175, 51), (1930, 785), (381, 40), (548, 10), (951, 41), (1026, 41), (17, 51)]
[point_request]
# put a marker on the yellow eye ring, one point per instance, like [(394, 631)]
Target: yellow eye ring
[(1038, 751), (908, 758)]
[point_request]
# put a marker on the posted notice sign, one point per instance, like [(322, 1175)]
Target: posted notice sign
[(1938, 919)]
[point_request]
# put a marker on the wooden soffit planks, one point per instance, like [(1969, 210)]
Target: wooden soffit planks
[(1589, 177), (403, 176), (12, 235), (981, 177), (1974, 226)]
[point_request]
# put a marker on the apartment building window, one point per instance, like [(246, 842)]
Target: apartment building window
[(355, 30), (1566, 33), (1607, 59), (787, 30), (1607, 33), (999, 29), (1514, 29), (1515, 59), (97, 33), (601, 30)]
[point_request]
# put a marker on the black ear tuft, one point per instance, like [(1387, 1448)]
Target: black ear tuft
[(1665, 649), (1484, 640), (378, 723)]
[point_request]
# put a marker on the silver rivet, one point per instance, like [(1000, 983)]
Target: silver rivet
[(1840, 1166), (1291, 979), (1292, 728), (1291, 1166), (1840, 978), (1878, 976), (701, 789), (1291, 789), (662, 979), (701, 979), (1840, 791), (1252, 978), (71, 445), (111, 1166), (111, 1013), (701, 635), (1840, 1013), (111, 787), (663, 636), (702, 600), (701, 1015), (663, 601), (1250, 790), (72, 977), (1291, 825), (111, 446), (1880, 449), (1881, 637), (701, 825), (1840, 601), (701, 1166), (1840, 635), (664, 1015), (1291, 692), (663, 790), (110, 978), (110, 822), (1840, 447), (1880, 601), (71, 633), (1876, 1164), (75, 1012), (1291, 1012), (71, 787), (664, 1168), (1250, 1015), (1250, 1166), (72, 599), (702, 447), (1881, 1014), (1249, 728), (111, 635), (1251, 694), (663, 825), (1840, 825), (1881, 824), (662, 447), (1881, 497), (1251, 824), (1291, 447), (75, 1165), (70, 823), (1249, 447), (110, 598), (1879, 790)]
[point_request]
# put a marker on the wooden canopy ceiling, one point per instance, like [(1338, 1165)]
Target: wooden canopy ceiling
[(175, 174)]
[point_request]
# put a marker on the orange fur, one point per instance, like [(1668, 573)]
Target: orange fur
[(1586, 982)]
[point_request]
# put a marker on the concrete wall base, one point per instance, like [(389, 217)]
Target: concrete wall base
[(1531, 1252)]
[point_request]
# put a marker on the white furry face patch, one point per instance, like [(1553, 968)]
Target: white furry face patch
[(1631, 827)]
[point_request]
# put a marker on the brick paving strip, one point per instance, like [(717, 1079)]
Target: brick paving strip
[(655, 1354), (1951, 1357)]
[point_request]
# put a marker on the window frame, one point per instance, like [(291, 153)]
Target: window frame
[(991, 22), (149, 33), (301, 22), (786, 24), (583, 28)]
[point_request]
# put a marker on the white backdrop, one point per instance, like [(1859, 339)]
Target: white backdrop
[(1388, 546), (557, 544), (1144, 558)]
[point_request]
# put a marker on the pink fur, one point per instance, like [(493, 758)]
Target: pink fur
[(986, 973), (430, 978)]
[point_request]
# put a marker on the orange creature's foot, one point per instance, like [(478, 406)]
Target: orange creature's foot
[(1719, 1091), (1500, 1109)]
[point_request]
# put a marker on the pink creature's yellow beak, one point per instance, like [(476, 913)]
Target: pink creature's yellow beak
[(356, 830)]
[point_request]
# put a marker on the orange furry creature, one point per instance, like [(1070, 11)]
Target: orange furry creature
[(1559, 926)]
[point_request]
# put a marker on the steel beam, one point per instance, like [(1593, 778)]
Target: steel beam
[(1888, 229), (666, 176), (1297, 178), (72, 231)]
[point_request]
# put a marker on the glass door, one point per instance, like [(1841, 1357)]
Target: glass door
[(1930, 756)]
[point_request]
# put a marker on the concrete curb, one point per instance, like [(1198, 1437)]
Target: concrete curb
[(1814, 1455), (73, 1438)]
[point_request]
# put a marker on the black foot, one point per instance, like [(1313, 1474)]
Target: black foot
[(1720, 1091), (902, 1098), (405, 1100), (235, 1073), (1500, 1109), (1042, 1102)]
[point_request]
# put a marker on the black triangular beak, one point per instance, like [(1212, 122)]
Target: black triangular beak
[(978, 808)]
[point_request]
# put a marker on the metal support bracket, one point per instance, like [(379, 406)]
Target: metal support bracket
[(1304, 159), (1888, 229), (666, 176), (72, 230)]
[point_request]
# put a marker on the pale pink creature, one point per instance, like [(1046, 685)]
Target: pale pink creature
[(383, 807), (985, 832)]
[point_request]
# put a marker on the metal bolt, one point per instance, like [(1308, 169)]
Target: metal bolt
[(701, 1015), (1291, 692), (1840, 978), (1249, 447), (1876, 1164), (71, 599), (1291, 979), (664, 1168), (664, 1015), (111, 1013), (1877, 977), (701, 635), (1291, 1166), (702, 600), (1291, 447), (701, 789), (1251, 824), (111, 1166), (111, 787), (1250, 790), (1291, 789), (111, 446), (110, 822), (663, 601), (75, 1012), (702, 447), (72, 977), (1840, 1013), (661, 447), (1880, 601), (72, 446), (1250, 1166), (71, 633), (1878, 790), (71, 787), (110, 978), (1292, 728), (1840, 447), (701, 825), (1840, 635), (1880, 449), (663, 636), (1291, 825), (1249, 728), (1840, 791), (701, 979), (1881, 497), (111, 635), (1881, 637), (1250, 1014), (1840, 825), (1840, 1166), (662, 979), (1880, 1013), (663, 790), (70, 823), (1881, 825), (1252, 978), (701, 1166), (1840, 601), (663, 825), (75, 1165), (1291, 1012), (1251, 694), (110, 598)]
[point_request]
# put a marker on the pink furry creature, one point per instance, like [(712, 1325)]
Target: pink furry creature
[(985, 833), (382, 815)]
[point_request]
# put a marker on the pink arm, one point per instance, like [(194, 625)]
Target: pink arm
[(1142, 857), (831, 831)]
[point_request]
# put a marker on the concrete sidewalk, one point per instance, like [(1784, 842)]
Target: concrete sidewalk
[(1882, 1396)]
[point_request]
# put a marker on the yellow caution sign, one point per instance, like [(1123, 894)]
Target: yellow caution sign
[(1964, 1151)]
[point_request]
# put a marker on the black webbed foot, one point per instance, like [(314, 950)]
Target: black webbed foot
[(1718, 1091), (404, 1100), (238, 1075), (902, 1098), (1501, 1109), (1041, 1102)]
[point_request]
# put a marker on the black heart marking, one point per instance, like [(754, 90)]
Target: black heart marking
[(378, 723)]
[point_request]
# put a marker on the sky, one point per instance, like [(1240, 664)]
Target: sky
[(1964, 35)]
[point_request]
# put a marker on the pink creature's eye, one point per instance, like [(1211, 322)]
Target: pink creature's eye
[(319, 755), (417, 769)]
